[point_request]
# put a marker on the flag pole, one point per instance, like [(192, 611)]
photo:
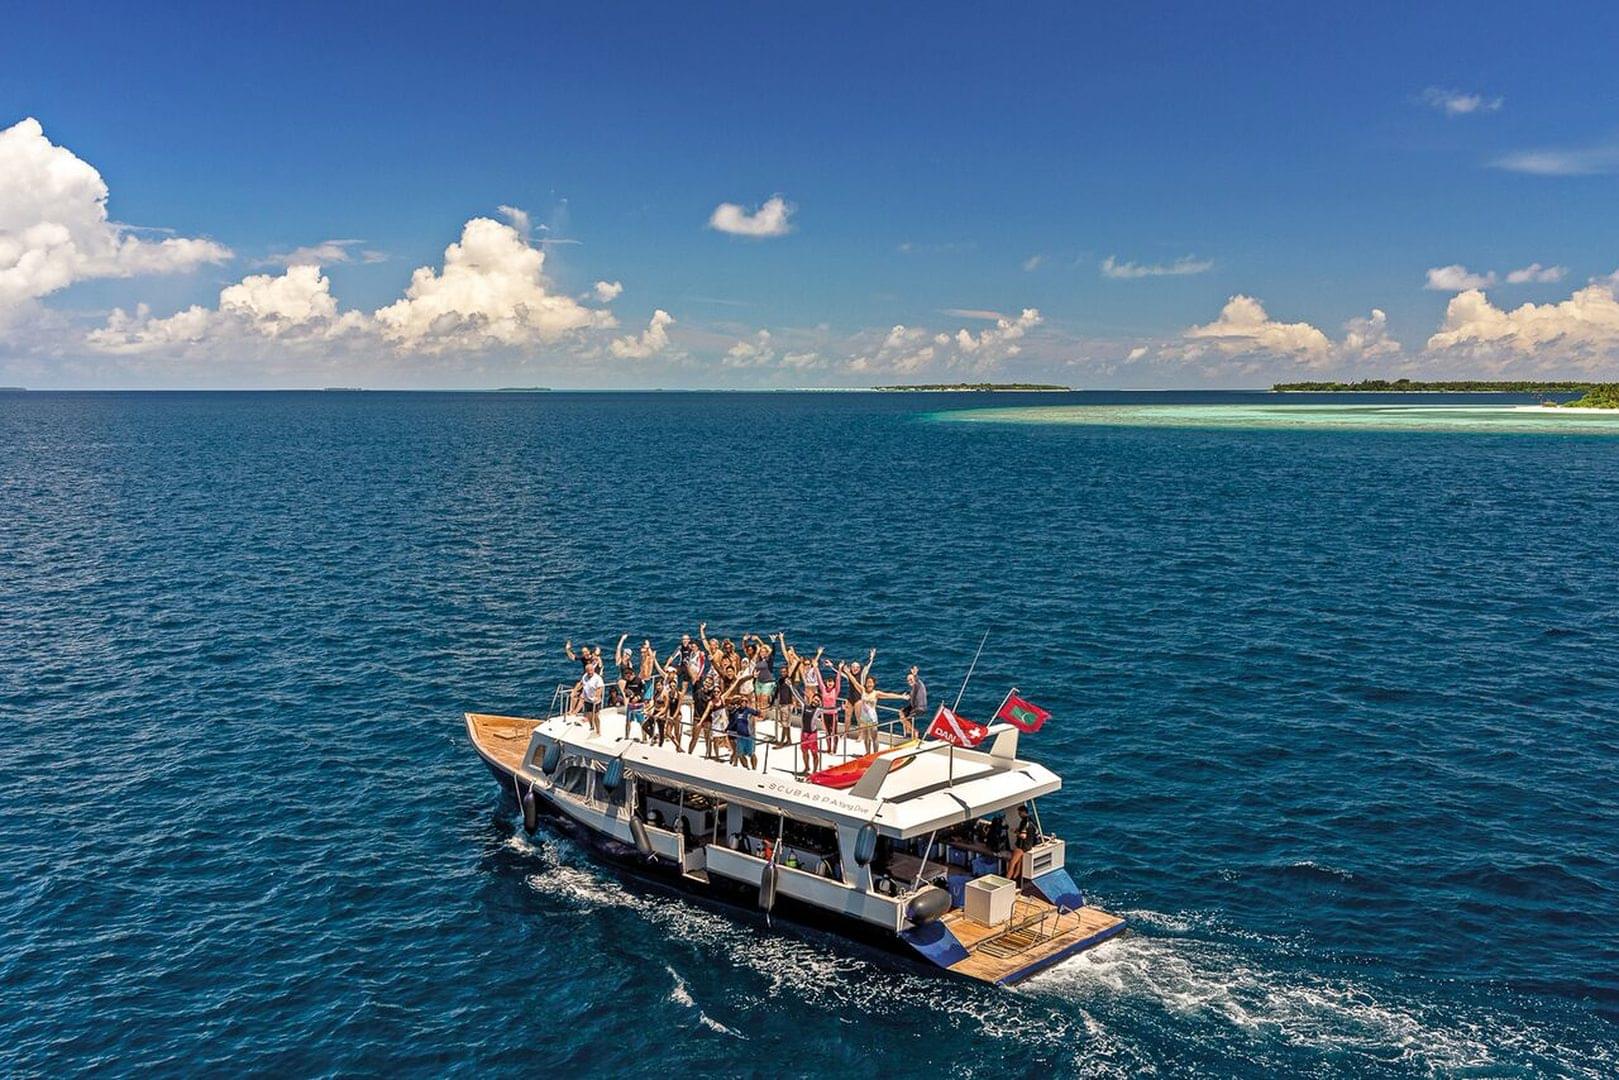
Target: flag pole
[(950, 776), (970, 668), (1004, 700)]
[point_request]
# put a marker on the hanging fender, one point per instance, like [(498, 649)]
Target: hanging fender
[(767, 887), (928, 905), (865, 844), (643, 842), (531, 811)]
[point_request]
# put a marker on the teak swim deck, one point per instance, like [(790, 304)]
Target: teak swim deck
[(1038, 935), (710, 827)]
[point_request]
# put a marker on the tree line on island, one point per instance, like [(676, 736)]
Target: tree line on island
[(1596, 395)]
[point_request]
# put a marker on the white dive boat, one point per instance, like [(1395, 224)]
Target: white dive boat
[(910, 856)]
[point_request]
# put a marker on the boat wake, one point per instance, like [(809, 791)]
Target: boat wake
[(1341, 1019), (1189, 978)]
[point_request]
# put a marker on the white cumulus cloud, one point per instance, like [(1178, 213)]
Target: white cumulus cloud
[(1455, 278), (907, 349), (1458, 103), (771, 219), (1127, 271), (55, 230), (1368, 337), (1244, 328), (1458, 278), (492, 290), (607, 291), (757, 352), (651, 341), (1582, 330), (294, 305), (518, 218), (325, 253), (999, 342), (1537, 274)]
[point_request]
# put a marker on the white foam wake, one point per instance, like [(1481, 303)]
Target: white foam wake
[(1089, 1009)]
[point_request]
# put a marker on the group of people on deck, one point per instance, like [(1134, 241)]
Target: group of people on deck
[(730, 688)]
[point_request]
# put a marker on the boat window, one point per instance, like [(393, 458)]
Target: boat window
[(576, 780)]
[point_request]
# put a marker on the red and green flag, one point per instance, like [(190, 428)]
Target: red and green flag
[(955, 729), (1021, 713)]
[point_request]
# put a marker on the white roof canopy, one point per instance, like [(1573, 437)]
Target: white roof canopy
[(937, 787)]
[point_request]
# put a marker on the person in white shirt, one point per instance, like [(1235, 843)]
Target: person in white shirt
[(591, 689)]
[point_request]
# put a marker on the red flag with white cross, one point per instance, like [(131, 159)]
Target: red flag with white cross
[(1021, 713), (955, 729)]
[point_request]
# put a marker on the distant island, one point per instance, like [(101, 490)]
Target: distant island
[(1599, 396), (983, 387), (13, 389), (522, 389), (1409, 386)]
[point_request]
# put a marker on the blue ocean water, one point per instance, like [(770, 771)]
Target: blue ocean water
[(1337, 713)]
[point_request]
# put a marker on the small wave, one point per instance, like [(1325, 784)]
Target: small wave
[(1309, 866), (680, 994)]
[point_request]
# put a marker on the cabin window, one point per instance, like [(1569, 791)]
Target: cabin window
[(577, 780), (803, 846)]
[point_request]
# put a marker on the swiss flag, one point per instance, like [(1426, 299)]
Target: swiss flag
[(1021, 714), (956, 730)]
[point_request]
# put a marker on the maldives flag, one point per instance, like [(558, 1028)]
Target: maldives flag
[(956, 730), (1021, 714)]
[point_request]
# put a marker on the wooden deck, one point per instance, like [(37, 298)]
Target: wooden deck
[(503, 738), (1035, 935)]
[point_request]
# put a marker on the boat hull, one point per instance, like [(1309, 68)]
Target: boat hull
[(735, 897)]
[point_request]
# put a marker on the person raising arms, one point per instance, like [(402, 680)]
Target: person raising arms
[(591, 690), (854, 676), (867, 718)]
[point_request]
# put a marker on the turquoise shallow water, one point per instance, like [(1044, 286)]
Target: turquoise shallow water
[(1455, 416), (1337, 714)]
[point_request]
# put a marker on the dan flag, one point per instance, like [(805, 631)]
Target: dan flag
[(1021, 714), (956, 730)]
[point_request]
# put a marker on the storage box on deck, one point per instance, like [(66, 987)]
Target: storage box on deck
[(1044, 857), (989, 899)]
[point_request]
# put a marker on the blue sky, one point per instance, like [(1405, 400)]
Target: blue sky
[(937, 159)]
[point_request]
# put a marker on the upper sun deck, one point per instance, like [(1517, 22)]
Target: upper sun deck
[(937, 787)]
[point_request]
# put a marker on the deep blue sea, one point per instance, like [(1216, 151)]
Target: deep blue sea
[(1337, 714)]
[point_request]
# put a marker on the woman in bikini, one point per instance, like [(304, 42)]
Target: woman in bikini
[(867, 710)]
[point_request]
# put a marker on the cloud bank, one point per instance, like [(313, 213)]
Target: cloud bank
[(490, 304)]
